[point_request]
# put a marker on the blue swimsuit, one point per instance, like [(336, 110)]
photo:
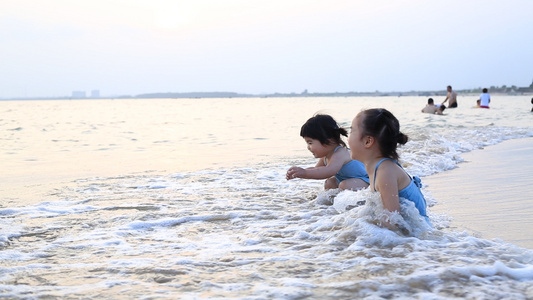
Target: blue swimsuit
[(411, 192), (351, 169)]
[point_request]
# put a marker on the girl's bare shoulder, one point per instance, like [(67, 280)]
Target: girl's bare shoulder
[(344, 154), (389, 167)]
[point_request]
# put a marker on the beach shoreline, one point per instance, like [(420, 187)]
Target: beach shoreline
[(485, 194)]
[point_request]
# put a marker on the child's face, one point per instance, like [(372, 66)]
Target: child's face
[(354, 140), (316, 147)]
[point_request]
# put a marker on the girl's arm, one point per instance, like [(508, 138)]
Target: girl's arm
[(387, 185), (320, 171), (297, 172)]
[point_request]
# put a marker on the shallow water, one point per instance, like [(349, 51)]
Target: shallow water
[(167, 198)]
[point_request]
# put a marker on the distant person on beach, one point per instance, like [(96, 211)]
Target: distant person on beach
[(440, 110), (484, 99), (430, 107), (478, 103), (323, 137), (451, 96), (374, 137)]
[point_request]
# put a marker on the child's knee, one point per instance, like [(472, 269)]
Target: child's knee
[(353, 184), (331, 183)]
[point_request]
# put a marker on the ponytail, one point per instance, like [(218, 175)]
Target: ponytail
[(324, 129), (385, 128)]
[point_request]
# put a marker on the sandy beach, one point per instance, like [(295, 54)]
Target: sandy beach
[(489, 195)]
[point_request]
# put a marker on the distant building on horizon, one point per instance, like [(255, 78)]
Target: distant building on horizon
[(95, 94), (83, 94), (78, 94)]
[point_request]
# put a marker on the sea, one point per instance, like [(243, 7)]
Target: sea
[(187, 199)]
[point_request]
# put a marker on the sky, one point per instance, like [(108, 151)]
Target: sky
[(49, 48)]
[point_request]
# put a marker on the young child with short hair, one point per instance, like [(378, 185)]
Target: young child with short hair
[(323, 137)]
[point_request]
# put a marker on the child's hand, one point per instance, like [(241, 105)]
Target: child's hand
[(295, 172)]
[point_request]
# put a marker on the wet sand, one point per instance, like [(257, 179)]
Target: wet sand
[(490, 195)]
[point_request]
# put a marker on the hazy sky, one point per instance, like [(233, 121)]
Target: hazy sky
[(127, 47)]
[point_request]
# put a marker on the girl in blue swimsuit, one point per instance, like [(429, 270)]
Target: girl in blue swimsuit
[(374, 137), (323, 137)]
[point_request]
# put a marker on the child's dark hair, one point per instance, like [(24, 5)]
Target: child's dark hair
[(385, 128), (324, 129)]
